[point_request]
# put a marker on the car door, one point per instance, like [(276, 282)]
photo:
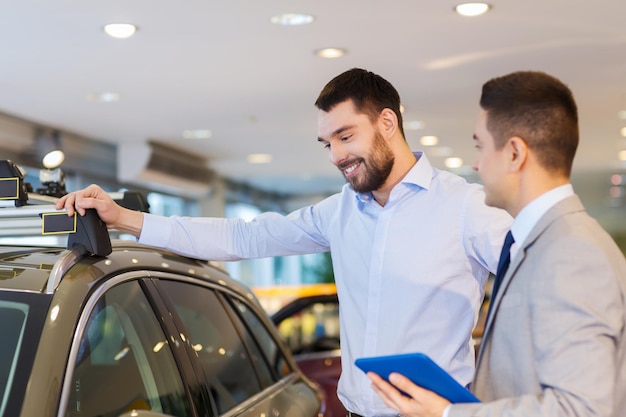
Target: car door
[(243, 365)]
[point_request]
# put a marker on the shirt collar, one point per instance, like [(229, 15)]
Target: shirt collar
[(528, 217), (420, 174)]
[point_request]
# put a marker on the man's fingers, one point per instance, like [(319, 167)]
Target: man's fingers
[(66, 202), (79, 201), (390, 395), (403, 383)]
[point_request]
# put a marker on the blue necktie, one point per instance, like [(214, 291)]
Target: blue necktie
[(503, 266)]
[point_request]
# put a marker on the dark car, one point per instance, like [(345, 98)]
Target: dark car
[(117, 329), (309, 325)]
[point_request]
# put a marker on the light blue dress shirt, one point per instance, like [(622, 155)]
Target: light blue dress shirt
[(410, 275)]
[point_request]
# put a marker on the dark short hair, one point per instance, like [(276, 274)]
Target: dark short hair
[(369, 92), (538, 108)]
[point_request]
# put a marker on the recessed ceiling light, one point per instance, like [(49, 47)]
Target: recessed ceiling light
[(440, 151), (622, 155), (413, 125), (472, 9), (197, 134), (429, 140), (259, 158), (623, 131), (292, 19), (453, 162), (120, 30), (107, 97), (330, 52)]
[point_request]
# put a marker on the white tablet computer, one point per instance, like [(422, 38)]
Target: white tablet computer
[(420, 369)]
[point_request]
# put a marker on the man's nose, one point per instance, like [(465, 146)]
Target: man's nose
[(338, 153)]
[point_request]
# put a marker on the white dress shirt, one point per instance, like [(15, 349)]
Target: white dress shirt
[(528, 217)]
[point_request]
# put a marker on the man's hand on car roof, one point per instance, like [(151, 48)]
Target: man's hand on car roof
[(111, 213)]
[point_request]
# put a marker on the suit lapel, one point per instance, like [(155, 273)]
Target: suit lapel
[(567, 205)]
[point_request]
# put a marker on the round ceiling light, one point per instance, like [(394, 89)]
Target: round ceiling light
[(330, 52), (292, 19), (259, 158), (429, 140), (472, 9), (120, 30), (197, 134), (106, 97), (453, 162)]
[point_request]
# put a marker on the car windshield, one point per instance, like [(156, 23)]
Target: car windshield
[(21, 318)]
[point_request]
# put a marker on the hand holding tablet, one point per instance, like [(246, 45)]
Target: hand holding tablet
[(420, 369)]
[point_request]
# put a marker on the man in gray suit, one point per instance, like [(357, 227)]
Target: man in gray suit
[(554, 341)]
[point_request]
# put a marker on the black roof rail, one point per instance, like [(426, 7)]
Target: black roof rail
[(87, 231), (12, 185), (35, 214), (28, 210)]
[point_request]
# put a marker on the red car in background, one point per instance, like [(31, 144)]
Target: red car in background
[(309, 325)]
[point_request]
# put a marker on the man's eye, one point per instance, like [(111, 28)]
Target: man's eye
[(327, 146), (345, 138)]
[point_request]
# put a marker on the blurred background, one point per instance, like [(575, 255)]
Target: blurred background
[(207, 107)]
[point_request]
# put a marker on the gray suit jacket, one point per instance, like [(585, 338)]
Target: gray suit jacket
[(556, 344)]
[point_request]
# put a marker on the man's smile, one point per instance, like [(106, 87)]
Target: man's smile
[(351, 169)]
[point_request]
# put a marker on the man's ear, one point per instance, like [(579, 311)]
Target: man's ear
[(519, 152), (388, 121)]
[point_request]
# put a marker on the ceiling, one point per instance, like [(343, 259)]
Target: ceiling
[(221, 65)]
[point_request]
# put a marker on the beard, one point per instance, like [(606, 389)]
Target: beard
[(375, 169)]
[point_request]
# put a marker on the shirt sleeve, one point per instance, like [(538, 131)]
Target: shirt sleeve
[(484, 230), (223, 239)]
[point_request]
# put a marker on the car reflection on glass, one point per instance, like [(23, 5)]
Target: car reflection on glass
[(309, 325)]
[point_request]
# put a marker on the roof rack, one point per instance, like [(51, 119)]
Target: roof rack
[(29, 212)]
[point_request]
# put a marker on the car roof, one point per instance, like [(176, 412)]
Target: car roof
[(27, 268), (40, 267)]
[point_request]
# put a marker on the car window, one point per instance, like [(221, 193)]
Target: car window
[(226, 364), (273, 354), (22, 316), (12, 324), (124, 361)]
